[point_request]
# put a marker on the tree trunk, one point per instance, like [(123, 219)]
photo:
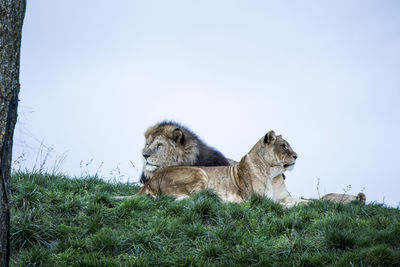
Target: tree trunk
[(12, 14)]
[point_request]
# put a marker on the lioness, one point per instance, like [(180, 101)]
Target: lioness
[(343, 198), (171, 144), (257, 172)]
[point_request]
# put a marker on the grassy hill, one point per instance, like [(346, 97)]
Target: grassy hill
[(58, 221)]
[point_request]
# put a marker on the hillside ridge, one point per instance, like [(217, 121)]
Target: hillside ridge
[(58, 221)]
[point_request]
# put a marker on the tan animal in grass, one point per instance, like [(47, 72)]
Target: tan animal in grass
[(258, 172), (170, 144), (344, 198)]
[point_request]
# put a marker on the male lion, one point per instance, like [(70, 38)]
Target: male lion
[(343, 198), (171, 144), (259, 171)]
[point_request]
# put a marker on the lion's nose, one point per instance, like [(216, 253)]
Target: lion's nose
[(295, 156), (146, 155)]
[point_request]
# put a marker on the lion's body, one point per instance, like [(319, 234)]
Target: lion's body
[(258, 172), (171, 144), (344, 198)]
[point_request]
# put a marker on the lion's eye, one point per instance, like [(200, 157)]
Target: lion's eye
[(159, 145)]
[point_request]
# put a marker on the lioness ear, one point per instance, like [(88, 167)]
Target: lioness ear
[(270, 137), (178, 136)]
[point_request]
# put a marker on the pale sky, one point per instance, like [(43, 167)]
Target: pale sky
[(324, 74)]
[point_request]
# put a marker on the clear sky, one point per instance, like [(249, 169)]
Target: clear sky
[(324, 74)]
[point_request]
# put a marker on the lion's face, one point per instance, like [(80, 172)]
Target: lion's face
[(161, 150), (156, 153), (280, 151)]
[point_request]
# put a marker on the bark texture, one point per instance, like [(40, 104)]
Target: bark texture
[(12, 14)]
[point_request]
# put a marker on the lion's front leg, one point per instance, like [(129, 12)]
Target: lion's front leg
[(289, 202), (122, 197), (145, 190)]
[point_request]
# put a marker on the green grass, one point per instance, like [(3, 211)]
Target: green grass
[(58, 221)]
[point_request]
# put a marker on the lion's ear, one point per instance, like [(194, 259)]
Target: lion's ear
[(270, 137), (178, 136)]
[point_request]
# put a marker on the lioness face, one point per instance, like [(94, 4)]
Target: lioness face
[(279, 149)]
